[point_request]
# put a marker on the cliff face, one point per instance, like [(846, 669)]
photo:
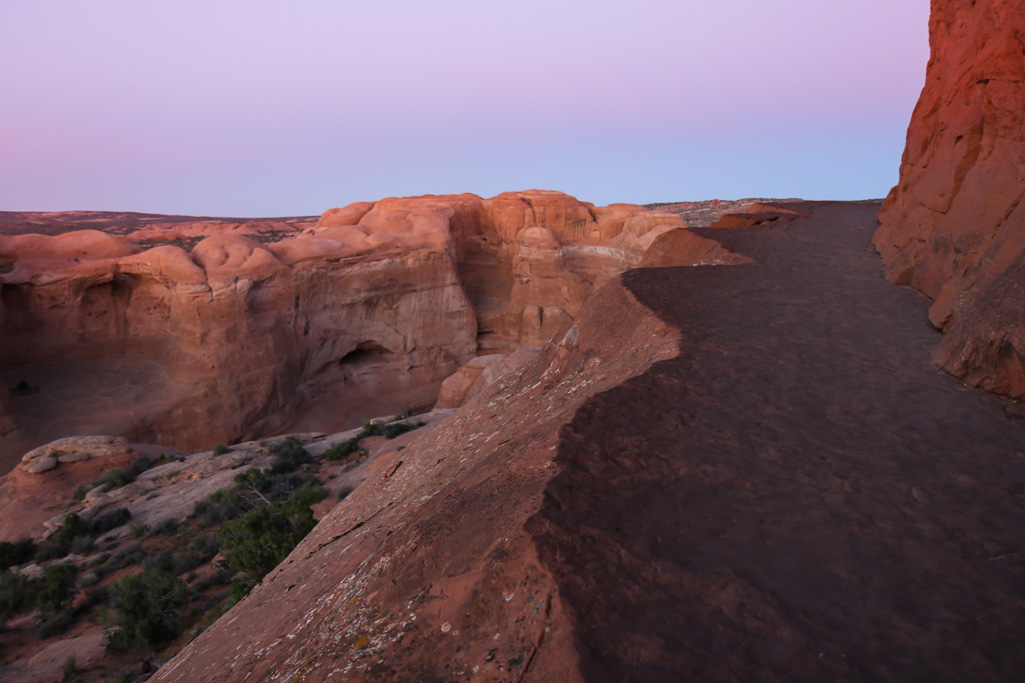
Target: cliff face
[(954, 226), (428, 571), (240, 336)]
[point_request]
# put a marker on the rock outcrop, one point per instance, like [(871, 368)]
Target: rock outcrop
[(480, 373), (428, 571), (954, 226), (715, 474), (42, 483), (188, 334), (104, 506)]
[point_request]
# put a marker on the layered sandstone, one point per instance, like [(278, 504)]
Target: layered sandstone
[(189, 334), (954, 226)]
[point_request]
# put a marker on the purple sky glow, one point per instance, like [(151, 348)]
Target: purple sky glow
[(260, 108)]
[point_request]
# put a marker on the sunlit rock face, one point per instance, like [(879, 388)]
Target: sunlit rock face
[(211, 332), (954, 226)]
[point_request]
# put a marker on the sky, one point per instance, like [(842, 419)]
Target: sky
[(260, 108)]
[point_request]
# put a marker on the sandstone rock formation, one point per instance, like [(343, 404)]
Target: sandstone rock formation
[(681, 247), (756, 214), (480, 373), (239, 336), (954, 226), (42, 483), (704, 213), (714, 474), (443, 580), (152, 495)]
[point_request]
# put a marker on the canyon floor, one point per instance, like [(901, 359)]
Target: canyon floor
[(797, 494)]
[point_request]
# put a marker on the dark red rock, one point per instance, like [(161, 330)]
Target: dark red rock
[(954, 226)]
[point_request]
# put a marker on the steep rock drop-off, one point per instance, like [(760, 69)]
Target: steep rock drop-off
[(954, 226), (427, 571), (717, 474), (256, 330)]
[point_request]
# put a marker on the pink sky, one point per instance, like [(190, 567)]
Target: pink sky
[(265, 108)]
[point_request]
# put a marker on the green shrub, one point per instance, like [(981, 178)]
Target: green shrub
[(16, 553), (16, 592), (77, 534), (55, 623), (138, 466), (147, 608), (55, 599), (220, 507), (79, 493), (70, 669), (58, 589), (341, 450), (220, 449), (369, 429), (114, 478), (80, 545), (165, 458), (59, 544), (200, 551), (260, 540), (89, 580), (128, 556), (167, 526), (110, 519), (291, 455)]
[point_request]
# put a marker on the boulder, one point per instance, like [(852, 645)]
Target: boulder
[(40, 465)]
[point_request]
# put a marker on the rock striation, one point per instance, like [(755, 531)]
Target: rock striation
[(188, 334), (954, 226)]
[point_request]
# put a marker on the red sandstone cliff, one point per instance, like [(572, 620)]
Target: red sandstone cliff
[(242, 336), (954, 226), (429, 571)]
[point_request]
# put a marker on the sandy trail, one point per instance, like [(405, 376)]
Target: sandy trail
[(800, 494)]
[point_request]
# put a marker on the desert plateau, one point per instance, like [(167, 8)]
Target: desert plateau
[(530, 438)]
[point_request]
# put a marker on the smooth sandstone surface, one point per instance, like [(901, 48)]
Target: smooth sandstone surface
[(954, 226)]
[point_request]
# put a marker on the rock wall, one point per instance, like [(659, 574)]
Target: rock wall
[(954, 226), (429, 570), (361, 315)]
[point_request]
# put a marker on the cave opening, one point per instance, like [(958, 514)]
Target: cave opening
[(365, 352)]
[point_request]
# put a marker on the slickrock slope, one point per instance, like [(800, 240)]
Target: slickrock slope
[(255, 332), (137, 504), (429, 572), (739, 473), (954, 226)]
